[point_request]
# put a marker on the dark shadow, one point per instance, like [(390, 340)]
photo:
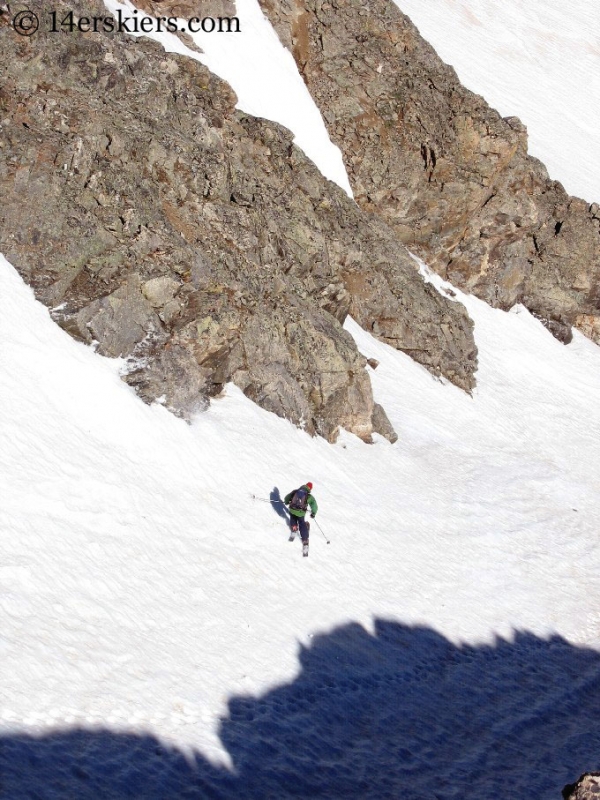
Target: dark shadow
[(403, 714), (278, 505)]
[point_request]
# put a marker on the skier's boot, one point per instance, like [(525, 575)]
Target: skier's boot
[(293, 531)]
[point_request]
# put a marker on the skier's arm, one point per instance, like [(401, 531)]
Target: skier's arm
[(288, 497), (313, 504)]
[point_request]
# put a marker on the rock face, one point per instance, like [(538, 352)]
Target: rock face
[(442, 168), (196, 242), (586, 788), (186, 9)]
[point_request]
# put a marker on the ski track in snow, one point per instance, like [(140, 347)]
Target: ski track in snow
[(141, 587)]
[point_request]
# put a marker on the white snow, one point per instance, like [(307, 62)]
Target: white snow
[(538, 60), (141, 587)]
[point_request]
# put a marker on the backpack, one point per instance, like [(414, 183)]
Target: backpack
[(300, 500)]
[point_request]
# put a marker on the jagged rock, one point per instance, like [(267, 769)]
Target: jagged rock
[(189, 9), (186, 9), (442, 168), (121, 321), (382, 425), (586, 788), (197, 242), (160, 291)]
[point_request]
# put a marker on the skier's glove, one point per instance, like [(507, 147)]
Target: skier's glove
[(312, 516)]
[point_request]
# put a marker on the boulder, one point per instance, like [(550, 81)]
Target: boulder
[(586, 788)]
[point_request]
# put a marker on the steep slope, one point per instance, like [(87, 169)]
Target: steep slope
[(161, 636), (197, 241), (538, 61), (441, 167), (142, 586)]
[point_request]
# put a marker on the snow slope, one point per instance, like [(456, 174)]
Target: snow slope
[(142, 588)]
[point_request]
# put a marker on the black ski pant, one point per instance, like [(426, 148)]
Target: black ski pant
[(301, 523)]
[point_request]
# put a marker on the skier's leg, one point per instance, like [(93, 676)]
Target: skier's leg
[(304, 529), (293, 527)]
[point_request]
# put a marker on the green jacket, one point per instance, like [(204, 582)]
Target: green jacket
[(311, 502)]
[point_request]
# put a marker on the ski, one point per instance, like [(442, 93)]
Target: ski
[(305, 550)]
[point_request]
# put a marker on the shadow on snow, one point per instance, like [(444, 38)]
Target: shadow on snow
[(277, 504), (403, 713)]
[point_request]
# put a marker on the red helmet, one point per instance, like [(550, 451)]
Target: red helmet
[(308, 485)]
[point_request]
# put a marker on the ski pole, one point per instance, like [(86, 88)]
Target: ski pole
[(319, 527), (264, 500)]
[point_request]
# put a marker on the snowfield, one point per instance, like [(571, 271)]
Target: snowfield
[(445, 643)]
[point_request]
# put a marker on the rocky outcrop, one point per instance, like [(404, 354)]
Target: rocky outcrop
[(198, 243), (186, 9), (586, 788), (440, 166)]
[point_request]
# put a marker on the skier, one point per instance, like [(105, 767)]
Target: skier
[(298, 502)]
